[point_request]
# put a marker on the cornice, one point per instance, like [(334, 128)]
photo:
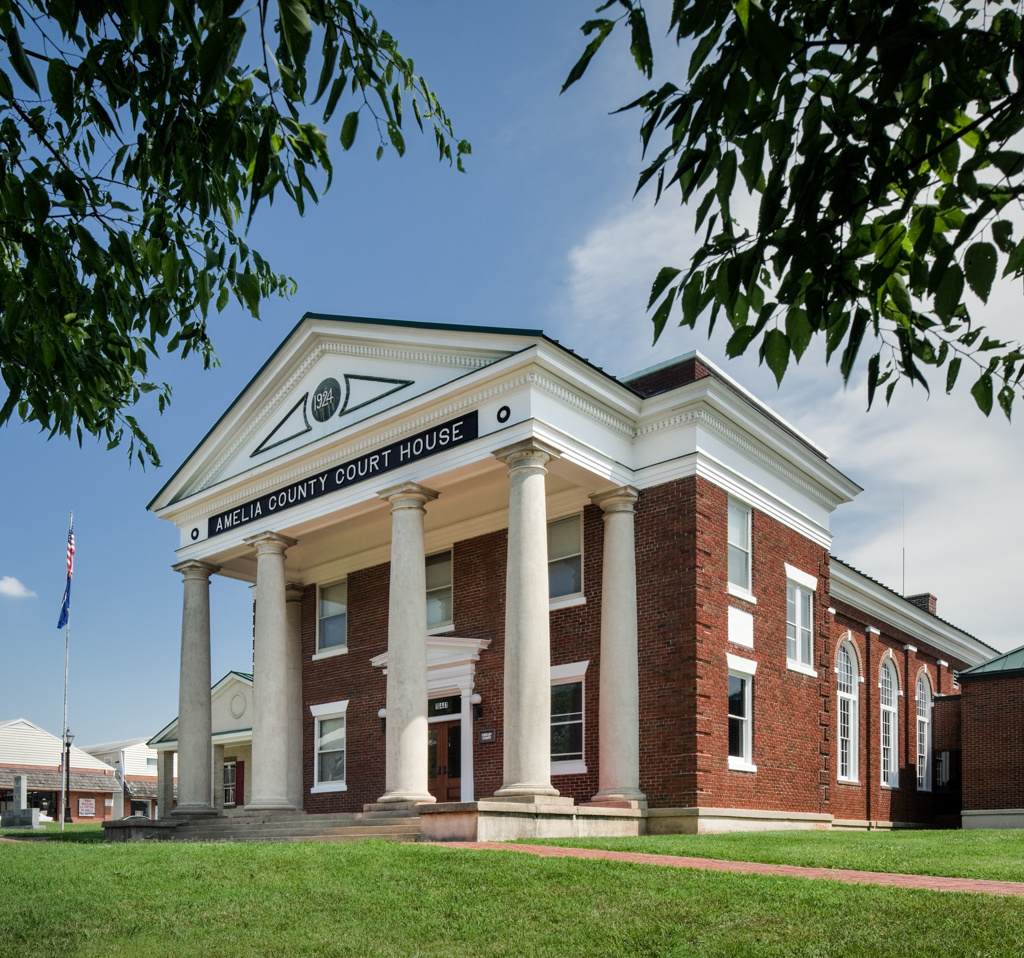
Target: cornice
[(315, 354)]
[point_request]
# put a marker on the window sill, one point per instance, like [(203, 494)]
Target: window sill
[(441, 629), (744, 594), (795, 666), (568, 768), (848, 781), (740, 765), (566, 601), (889, 788), (328, 787), (329, 653)]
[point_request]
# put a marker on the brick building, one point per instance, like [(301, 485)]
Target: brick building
[(495, 584)]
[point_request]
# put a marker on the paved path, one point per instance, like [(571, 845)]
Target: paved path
[(930, 882)]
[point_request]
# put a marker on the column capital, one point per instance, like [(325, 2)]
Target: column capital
[(617, 500), (408, 495), (194, 569), (528, 452), (293, 591), (264, 542)]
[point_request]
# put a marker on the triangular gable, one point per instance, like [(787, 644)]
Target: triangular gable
[(24, 743), (222, 714), (330, 374)]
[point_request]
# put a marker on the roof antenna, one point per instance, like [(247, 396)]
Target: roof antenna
[(904, 543)]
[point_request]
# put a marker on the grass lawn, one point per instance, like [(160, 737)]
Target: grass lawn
[(958, 854), (379, 899), (76, 832)]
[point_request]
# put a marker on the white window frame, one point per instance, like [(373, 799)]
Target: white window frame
[(234, 783), (735, 588), (743, 669), (852, 776), (802, 583), (448, 626), (338, 649), (571, 599), (889, 722), (328, 710), (564, 675), (924, 733)]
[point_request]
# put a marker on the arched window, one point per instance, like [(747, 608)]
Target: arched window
[(924, 734), (847, 686), (890, 726)]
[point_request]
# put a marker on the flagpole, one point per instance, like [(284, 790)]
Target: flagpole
[(66, 777)]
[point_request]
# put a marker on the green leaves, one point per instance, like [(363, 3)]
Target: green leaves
[(122, 187), (603, 28), (880, 139)]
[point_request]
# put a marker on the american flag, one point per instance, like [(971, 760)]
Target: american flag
[(65, 608)]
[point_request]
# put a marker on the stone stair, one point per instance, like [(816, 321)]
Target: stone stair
[(399, 825)]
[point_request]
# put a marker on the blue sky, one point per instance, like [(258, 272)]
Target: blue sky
[(541, 232)]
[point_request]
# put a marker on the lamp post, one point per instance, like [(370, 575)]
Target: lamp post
[(68, 739)]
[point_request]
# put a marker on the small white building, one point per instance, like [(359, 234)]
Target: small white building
[(231, 746), (135, 763)]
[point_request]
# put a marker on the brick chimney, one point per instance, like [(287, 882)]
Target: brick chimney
[(926, 602)]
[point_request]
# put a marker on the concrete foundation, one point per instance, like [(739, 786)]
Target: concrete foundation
[(138, 828), (501, 821), (708, 821), (993, 818)]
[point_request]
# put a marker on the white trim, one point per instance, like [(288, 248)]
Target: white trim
[(795, 666), (740, 665), (560, 674), (441, 629), (328, 708), (740, 765), (568, 768), (805, 579), (567, 601), (744, 594), (329, 653), (741, 627), (329, 787)]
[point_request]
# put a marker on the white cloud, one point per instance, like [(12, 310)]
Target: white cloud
[(10, 586), (957, 471)]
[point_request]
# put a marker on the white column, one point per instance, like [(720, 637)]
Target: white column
[(527, 727), (217, 773), (194, 721), (406, 733), (619, 700), (118, 809), (293, 612), (165, 783), (270, 677), (466, 736)]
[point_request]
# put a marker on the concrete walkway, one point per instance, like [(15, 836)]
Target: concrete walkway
[(929, 882)]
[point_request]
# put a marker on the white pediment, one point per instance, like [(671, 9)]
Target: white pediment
[(324, 380)]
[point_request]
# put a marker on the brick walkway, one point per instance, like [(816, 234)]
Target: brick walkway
[(929, 882)]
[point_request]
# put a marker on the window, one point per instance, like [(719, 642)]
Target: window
[(229, 783), (329, 747), (565, 557), (741, 713), (799, 625), (890, 726), (739, 546), (439, 591), (848, 692), (567, 698), (924, 734), (151, 763), (332, 625)]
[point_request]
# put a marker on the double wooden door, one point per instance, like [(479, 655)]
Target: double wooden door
[(444, 761)]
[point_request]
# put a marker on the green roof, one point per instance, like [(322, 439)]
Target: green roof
[(1002, 666)]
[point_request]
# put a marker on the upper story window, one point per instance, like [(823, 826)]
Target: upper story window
[(739, 545), (565, 557), (332, 626), (847, 687), (799, 625), (924, 734), (151, 763), (888, 689), (439, 591)]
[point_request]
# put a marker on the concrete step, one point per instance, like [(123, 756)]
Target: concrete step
[(312, 828)]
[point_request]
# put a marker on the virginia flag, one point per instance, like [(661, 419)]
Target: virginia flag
[(65, 608)]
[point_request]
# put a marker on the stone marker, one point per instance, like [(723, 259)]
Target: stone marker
[(21, 816)]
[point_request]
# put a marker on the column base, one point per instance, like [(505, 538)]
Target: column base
[(194, 811), (630, 797), (524, 791), (417, 798)]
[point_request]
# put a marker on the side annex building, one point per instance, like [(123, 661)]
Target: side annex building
[(499, 589)]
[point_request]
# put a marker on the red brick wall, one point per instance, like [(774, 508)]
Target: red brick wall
[(993, 743), (662, 380), (870, 799)]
